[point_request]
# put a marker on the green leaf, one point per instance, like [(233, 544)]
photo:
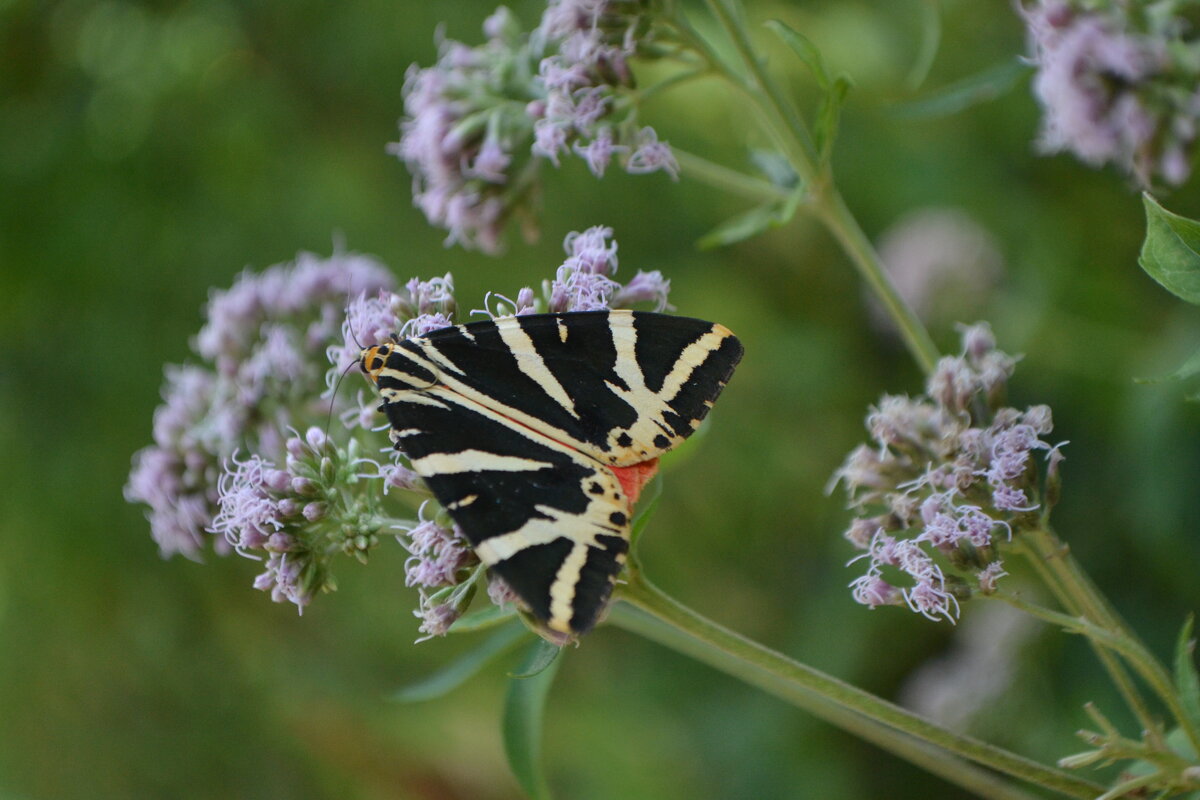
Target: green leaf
[(828, 115), (739, 227), (775, 168), (1186, 370), (1171, 252), (457, 672), (833, 90), (804, 49), (540, 657), (750, 223), (1187, 682), (931, 39), (960, 95), (484, 618), (522, 726)]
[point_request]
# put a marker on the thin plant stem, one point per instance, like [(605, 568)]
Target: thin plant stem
[(787, 130), (1116, 671), (1095, 607), (673, 81), (832, 210), (936, 761), (777, 107), (1116, 640), (729, 180), (794, 681)]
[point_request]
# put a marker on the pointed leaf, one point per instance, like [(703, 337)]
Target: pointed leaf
[(804, 49), (1171, 252), (1187, 682), (828, 114), (1185, 370), (484, 618), (457, 672), (522, 726), (741, 226), (540, 657), (775, 168), (970, 91), (931, 39)]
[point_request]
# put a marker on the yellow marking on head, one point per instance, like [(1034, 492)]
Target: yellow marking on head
[(371, 360)]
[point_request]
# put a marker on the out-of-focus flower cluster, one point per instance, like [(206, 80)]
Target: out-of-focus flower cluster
[(262, 348), (481, 121), (1118, 85), (942, 262), (948, 480)]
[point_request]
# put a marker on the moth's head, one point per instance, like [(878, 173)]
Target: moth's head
[(397, 365), (372, 359)]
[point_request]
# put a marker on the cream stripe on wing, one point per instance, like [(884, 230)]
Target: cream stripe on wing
[(473, 461), (554, 524), (692, 357), (562, 591), (532, 364), (624, 338)]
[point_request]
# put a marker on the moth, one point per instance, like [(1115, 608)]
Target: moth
[(538, 432)]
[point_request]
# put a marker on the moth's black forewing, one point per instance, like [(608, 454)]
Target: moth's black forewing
[(580, 351), (514, 441)]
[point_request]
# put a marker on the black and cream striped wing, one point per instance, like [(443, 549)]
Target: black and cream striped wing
[(620, 386), (519, 425), (551, 522)]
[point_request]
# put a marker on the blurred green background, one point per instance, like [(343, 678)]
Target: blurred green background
[(150, 151)]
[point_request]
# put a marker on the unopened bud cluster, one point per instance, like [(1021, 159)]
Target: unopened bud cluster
[(298, 515), (948, 480)]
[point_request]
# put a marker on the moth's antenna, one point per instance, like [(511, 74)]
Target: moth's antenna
[(337, 384)]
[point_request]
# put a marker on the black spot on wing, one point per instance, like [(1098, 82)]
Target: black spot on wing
[(531, 573)]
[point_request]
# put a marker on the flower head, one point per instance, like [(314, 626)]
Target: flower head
[(261, 348), (950, 478), (480, 123), (1116, 87)]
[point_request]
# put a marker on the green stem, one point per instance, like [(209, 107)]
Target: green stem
[(1119, 642), (1095, 607), (672, 81), (767, 94), (787, 130), (728, 180), (832, 210), (1116, 671), (817, 692)]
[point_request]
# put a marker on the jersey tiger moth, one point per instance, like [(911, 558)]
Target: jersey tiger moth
[(537, 433)]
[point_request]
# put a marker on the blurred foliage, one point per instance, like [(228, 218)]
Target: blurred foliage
[(149, 151)]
